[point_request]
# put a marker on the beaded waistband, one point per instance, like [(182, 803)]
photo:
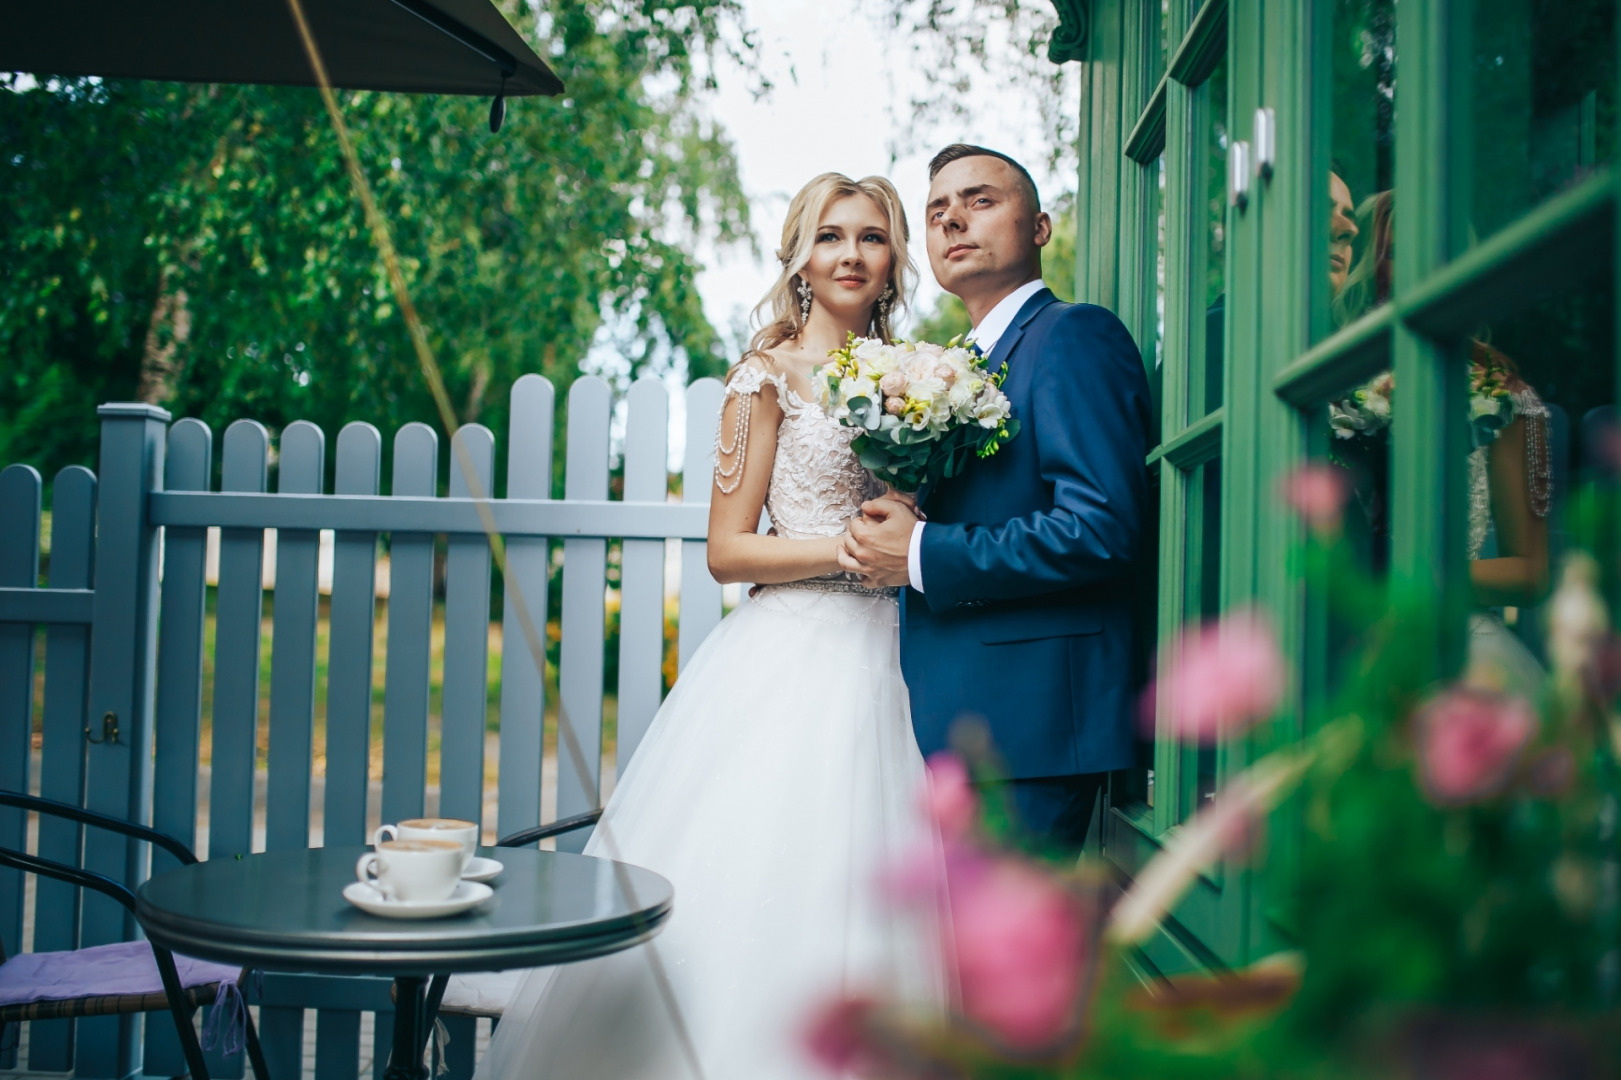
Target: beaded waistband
[(834, 583)]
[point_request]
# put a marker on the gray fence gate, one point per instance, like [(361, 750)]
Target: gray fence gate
[(125, 655)]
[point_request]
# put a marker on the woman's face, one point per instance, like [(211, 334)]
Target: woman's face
[(850, 256)]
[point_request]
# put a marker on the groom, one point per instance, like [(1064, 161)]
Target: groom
[(1018, 609)]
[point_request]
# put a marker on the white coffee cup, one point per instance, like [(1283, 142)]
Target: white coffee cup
[(412, 870), (464, 833)]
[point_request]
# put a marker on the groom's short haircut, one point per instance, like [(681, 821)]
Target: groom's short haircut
[(958, 151)]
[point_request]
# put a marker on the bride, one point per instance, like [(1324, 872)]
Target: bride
[(781, 772)]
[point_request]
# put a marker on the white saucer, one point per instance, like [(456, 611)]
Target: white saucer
[(481, 869), (467, 895)]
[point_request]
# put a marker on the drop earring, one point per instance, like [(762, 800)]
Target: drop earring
[(885, 303), (804, 301)]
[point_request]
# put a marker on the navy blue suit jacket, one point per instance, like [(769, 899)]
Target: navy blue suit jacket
[(1025, 617)]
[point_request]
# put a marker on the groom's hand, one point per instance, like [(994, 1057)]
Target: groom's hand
[(877, 543)]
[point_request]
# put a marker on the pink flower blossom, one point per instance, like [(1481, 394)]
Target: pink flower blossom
[(839, 1038), (1318, 494), (1221, 679), (1022, 950), (946, 374), (948, 796), (895, 406), (893, 384), (1469, 741)]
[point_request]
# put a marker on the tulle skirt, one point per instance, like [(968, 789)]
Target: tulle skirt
[(779, 778)]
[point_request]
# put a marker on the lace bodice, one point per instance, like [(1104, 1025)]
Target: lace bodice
[(1539, 475), (817, 485)]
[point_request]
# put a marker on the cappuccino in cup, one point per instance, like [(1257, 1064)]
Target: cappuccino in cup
[(464, 833), (412, 871)]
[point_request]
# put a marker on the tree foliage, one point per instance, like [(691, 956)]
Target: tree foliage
[(200, 245)]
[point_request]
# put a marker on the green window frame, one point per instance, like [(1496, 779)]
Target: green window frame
[(1281, 364)]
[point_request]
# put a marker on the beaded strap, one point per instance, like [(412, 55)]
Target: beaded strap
[(745, 384)]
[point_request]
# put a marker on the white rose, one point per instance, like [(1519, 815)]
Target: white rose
[(868, 349), (962, 394), (928, 389)]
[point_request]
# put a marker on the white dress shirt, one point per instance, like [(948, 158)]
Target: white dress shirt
[(985, 335)]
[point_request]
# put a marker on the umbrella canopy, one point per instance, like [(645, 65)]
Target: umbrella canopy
[(411, 46)]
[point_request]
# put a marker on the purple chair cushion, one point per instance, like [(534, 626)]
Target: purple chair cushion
[(101, 970)]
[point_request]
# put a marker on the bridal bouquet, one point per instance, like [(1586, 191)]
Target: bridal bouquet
[(922, 409)]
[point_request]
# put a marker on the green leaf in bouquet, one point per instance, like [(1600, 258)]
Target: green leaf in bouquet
[(874, 458)]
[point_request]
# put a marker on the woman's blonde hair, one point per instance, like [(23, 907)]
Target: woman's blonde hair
[(778, 313)]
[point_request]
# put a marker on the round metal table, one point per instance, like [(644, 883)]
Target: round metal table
[(285, 911)]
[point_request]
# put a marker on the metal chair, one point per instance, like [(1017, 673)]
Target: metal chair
[(180, 1002)]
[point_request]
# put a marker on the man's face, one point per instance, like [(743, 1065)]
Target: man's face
[(983, 231), (1341, 231)]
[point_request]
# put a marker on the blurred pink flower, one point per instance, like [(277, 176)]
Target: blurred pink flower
[(839, 1036), (894, 406), (1468, 742), (1221, 679), (948, 796), (893, 384), (1318, 494), (1022, 950)]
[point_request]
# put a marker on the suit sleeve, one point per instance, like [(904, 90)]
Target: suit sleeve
[(1090, 410)]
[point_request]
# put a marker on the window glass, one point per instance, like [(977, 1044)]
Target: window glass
[(1156, 217), (1540, 114), (1202, 577), (1361, 173), (1210, 249)]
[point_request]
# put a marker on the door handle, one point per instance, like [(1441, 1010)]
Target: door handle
[(1238, 175), (1266, 141)]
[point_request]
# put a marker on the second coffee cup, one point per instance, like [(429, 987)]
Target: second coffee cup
[(462, 832)]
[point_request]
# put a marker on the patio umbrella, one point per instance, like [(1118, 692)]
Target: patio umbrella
[(411, 46)]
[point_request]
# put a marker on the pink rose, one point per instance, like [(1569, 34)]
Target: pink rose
[(895, 406), (1318, 494), (1221, 679), (839, 1036), (1469, 741), (893, 384), (1022, 951), (945, 373), (929, 348), (948, 796)]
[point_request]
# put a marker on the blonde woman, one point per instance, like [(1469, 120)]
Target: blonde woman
[(781, 773)]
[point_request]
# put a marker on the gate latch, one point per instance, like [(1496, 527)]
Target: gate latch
[(109, 729)]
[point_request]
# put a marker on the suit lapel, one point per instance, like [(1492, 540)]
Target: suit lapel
[(1009, 341)]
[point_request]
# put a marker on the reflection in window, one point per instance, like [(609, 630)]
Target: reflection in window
[(1210, 250), (1360, 271), (1543, 110), (1550, 372)]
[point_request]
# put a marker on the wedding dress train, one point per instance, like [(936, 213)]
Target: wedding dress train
[(779, 778)]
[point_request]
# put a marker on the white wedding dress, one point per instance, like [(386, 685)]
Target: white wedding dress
[(779, 778)]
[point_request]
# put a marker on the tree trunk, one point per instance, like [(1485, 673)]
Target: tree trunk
[(164, 357)]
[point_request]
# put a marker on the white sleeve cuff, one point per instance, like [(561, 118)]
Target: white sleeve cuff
[(914, 557)]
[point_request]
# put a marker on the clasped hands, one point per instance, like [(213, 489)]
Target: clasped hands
[(876, 545)]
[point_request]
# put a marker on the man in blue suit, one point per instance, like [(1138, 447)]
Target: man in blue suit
[(1018, 606)]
